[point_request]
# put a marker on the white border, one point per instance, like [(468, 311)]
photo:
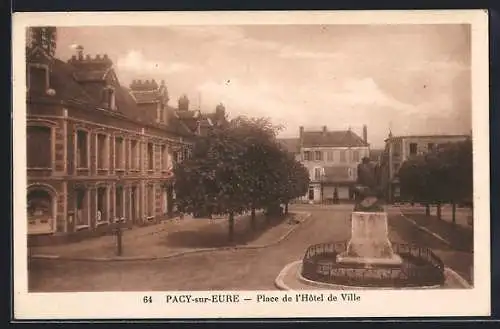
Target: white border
[(474, 301)]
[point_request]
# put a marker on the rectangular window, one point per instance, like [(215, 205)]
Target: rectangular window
[(307, 156), (397, 147), (108, 98), (38, 78), (180, 156), (151, 156), (317, 173), (395, 168), (119, 153), (164, 158), (119, 209), (81, 208), (318, 155), (413, 148), (342, 156), (102, 151), (39, 147), (151, 201), (134, 154), (329, 156), (102, 211), (82, 156), (355, 156)]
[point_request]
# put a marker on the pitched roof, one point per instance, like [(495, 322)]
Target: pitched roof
[(186, 115), (90, 75), (62, 81), (290, 144), (69, 89), (145, 96), (336, 174), (345, 138)]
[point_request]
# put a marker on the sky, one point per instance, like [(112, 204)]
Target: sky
[(412, 79)]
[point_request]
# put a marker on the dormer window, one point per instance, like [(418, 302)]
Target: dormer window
[(108, 96), (38, 77)]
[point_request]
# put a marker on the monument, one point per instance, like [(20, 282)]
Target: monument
[(368, 259), (369, 244)]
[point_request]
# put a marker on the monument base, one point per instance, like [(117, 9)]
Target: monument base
[(369, 244), (369, 261)]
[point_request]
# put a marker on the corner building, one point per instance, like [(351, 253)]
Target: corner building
[(97, 152)]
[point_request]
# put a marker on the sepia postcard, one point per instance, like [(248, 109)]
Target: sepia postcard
[(251, 164)]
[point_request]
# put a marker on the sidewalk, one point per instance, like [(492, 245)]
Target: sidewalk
[(174, 237), (459, 236)]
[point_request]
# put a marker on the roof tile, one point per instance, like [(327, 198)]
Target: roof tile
[(345, 138)]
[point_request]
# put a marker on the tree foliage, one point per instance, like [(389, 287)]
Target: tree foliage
[(441, 176), (238, 167)]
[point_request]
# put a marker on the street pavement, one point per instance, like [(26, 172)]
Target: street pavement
[(242, 269)]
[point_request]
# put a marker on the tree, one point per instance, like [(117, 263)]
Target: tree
[(213, 179), (238, 167), (441, 176), (457, 176), (297, 180), (413, 176), (261, 160)]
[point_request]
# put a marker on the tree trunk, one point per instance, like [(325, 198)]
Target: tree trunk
[(231, 226), (286, 208), (427, 210), (453, 212), (438, 211), (252, 219)]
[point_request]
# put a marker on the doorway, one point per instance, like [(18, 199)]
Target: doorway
[(311, 194)]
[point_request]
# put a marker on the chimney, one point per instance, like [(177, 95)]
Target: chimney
[(324, 129), (301, 132), (79, 51), (365, 133)]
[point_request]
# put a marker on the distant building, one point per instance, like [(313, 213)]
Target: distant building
[(376, 155), (97, 152), (332, 158), (398, 149)]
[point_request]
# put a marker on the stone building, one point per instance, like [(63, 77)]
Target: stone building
[(398, 149), (97, 152), (332, 158)]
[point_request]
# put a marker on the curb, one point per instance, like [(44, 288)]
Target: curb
[(178, 254), (280, 284), (426, 230)]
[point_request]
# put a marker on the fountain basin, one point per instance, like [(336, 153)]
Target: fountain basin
[(290, 278), (414, 267)]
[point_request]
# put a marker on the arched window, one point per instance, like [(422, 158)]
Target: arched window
[(108, 98), (40, 211), (39, 147)]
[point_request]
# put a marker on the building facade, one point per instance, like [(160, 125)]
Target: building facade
[(97, 152), (332, 158), (398, 149)]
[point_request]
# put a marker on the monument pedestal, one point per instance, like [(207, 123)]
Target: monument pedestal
[(369, 244)]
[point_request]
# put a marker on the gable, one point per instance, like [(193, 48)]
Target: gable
[(38, 55)]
